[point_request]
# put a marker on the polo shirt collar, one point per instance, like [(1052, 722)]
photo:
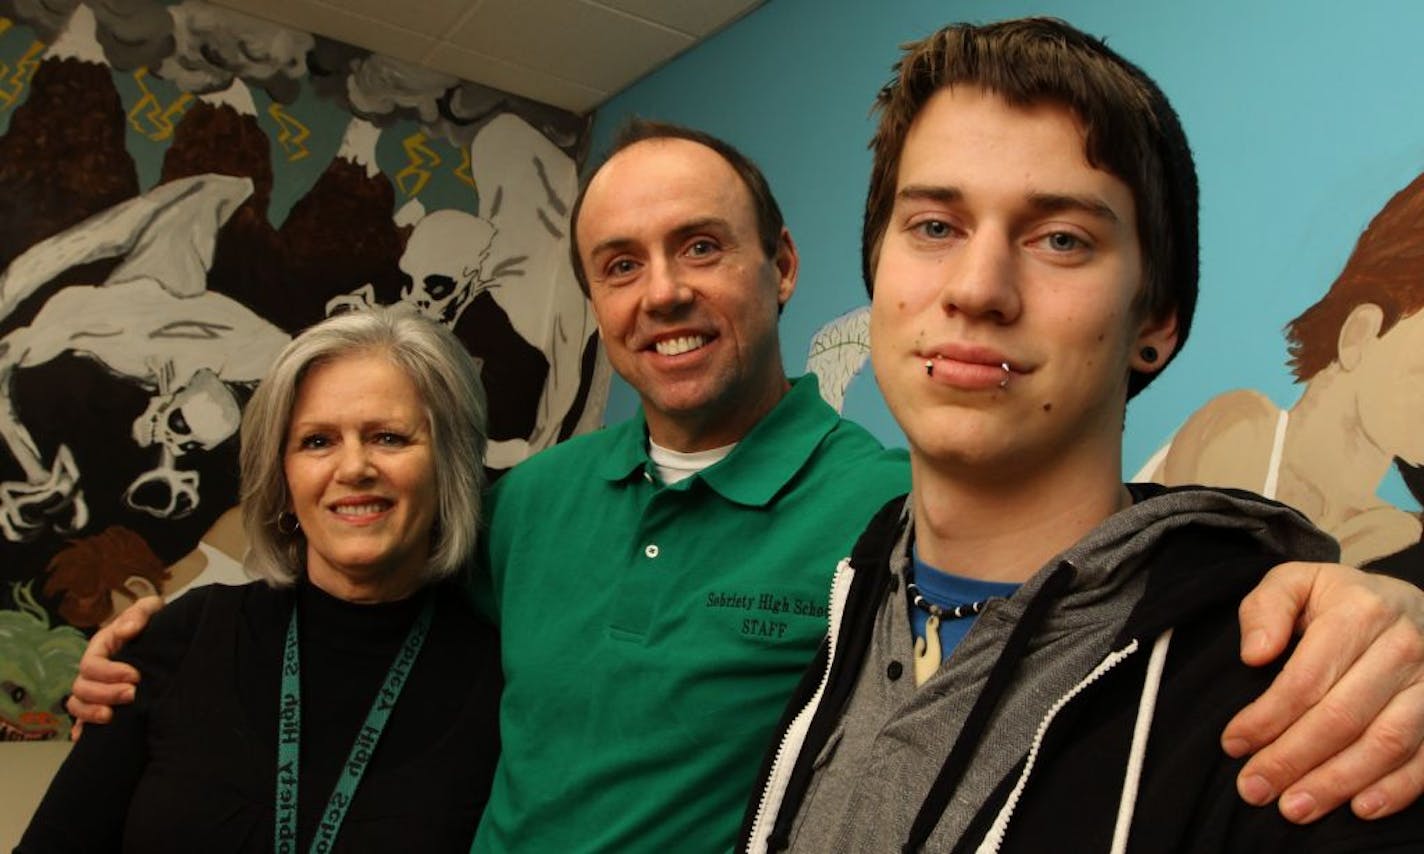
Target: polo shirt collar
[(764, 460), (627, 451)]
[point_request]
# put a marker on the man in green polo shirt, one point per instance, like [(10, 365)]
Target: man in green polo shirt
[(660, 585)]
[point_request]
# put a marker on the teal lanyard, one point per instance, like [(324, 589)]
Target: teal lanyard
[(289, 733)]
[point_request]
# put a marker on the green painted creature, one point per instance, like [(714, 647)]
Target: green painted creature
[(37, 665)]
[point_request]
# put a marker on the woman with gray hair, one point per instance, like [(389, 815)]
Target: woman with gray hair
[(354, 680)]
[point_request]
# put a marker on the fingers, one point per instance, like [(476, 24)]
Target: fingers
[(1317, 663), (1393, 792), (107, 642), (1269, 614), (103, 682), (130, 623), (1268, 721), (1392, 741), (1370, 723), (1351, 616), (83, 713), (1344, 719)]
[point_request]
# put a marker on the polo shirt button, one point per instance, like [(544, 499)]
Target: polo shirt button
[(894, 670), (651, 550), (648, 476)]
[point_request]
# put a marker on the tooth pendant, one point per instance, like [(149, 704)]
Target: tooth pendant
[(928, 656)]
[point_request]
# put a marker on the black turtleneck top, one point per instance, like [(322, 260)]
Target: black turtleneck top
[(191, 764)]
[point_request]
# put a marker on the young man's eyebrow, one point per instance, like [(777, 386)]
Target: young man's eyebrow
[(1056, 202), (1041, 202), (929, 193)]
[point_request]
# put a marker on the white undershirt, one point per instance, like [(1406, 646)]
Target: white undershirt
[(674, 466)]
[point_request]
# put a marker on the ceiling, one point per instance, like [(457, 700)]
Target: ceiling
[(573, 54)]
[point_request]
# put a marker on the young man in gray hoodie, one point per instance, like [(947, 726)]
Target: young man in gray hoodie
[(1030, 244)]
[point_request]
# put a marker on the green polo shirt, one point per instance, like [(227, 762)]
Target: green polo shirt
[(652, 634)]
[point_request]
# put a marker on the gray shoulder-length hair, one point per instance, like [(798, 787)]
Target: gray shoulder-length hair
[(447, 379)]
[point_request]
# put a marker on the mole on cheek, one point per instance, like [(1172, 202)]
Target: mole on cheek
[(1047, 407), (1101, 336)]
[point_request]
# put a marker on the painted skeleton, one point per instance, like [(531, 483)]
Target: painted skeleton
[(447, 259), (518, 250), (154, 322)]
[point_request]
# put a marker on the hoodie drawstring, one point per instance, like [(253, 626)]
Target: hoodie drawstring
[(1146, 706)]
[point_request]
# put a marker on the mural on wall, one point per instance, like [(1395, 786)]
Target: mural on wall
[(182, 188), (37, 663), (839, 349), (153, 323), (1359, 351)]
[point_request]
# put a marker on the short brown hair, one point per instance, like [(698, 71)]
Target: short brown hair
[(86, 571), (768, 212), (1384, 269), (1132, 133)]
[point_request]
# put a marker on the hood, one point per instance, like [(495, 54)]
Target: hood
[(1191, 572)]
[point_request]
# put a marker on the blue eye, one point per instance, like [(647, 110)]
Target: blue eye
[(1062, 241), (935, 229)]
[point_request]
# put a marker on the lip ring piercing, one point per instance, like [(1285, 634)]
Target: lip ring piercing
[(1003, 383)]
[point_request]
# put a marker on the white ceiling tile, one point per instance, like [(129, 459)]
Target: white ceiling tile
[(694, 17), (316, 17), (533, 48), (429, 17), (515, 79), (571, 40)]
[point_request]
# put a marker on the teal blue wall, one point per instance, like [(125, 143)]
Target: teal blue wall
[(1305, 118)]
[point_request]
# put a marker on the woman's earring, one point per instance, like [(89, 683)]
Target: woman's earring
[(1148, 354), (287, 523)]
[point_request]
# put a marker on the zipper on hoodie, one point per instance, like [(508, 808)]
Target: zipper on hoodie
[(995, 837), (782, 764)]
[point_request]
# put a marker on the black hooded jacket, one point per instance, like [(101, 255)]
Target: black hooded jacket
[(1095, 764)]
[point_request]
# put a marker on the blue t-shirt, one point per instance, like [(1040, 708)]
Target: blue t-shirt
[(948, 590)]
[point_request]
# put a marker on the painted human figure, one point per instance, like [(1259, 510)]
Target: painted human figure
[(1359, 351)]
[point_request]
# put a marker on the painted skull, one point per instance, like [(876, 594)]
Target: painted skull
[(445, 259), (198, 416)]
